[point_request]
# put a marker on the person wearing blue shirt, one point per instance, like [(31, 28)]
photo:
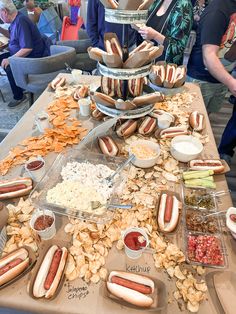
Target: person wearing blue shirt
[(25, 41), (96, 26)]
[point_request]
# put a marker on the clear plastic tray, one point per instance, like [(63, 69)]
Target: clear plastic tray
[(199, 192), (195, 262), (210, 225), (52, 177)]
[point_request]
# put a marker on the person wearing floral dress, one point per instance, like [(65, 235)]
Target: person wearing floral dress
[(169, 24)]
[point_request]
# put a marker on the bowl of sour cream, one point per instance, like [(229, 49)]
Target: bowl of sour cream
[(185, 148)]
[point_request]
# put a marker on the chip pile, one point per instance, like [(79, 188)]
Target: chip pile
[(65, 131), (18, 228)]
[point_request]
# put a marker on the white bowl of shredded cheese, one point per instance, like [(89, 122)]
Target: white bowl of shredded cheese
[(146, 153)]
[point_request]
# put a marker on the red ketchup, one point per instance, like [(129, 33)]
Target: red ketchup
[(135, 241), (35, 165), (233, 217)]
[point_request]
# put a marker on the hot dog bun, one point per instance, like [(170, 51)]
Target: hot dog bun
[(136, 87), (38, 287), (112, 46), (21, 253), (108, 146), (58, 82), (24, 185), (170, 75), (81, 92), (196, 121), (127, 129), (168, 213), (148, 99), (207, 164), (108, 86), (147, 126), (128, 294), (103, 99), (180, 76)]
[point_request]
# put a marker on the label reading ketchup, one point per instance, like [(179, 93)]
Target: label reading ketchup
[(135, 241), (233, 217), (35, 165)]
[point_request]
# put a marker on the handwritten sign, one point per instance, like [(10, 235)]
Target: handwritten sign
[(138, 269), (76, 291)]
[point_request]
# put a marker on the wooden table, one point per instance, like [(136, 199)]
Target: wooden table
[(77, 296)]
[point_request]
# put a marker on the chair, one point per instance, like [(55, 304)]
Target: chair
[(49, 23), (34, 74), (82, 62)]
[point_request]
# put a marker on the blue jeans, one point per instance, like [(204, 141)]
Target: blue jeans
[(17, 91), (228, 140)]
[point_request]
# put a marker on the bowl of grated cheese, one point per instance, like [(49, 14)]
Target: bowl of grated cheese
[(146, 153)]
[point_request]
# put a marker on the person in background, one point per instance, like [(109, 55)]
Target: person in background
[(97, 26), (25, 41), (213, 56), (228, 140), (33, 11), (198, 8), (169, 24)]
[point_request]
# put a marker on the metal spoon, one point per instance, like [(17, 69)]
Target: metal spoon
[(216, 194), (97, 204)]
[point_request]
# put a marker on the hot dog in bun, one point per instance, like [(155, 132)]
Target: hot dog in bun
[(50, 272), (108, 146), (180, 76), (136, 87), (196, 121), (98, 115), (148, 99), (173, 131), (113, 47), (207, 164), (13, 264), (15, 188), (81, 92), (147, 126), (103, 99), (58, 82), (132, 288), (168, 213), (170, 76), (127, 129), (108, 86)]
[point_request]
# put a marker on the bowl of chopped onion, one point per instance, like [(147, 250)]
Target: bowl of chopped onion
[(146, 153)]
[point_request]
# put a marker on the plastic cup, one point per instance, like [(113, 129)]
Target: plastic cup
[(84, 107), (76, 74), (47, 233), (135, 254), (42, 121), (164, 121), (36, 173)]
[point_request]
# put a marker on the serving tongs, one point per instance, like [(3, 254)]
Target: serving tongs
[(203, 218), (213, 194), (110, 179)]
